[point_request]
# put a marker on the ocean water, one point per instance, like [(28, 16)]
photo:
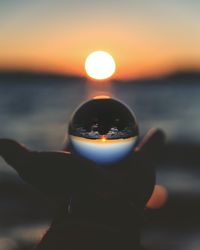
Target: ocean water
[(36, 112)]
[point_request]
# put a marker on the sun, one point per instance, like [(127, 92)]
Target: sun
[(100, 65)]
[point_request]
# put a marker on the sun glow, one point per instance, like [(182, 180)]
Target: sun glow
[(100, 65), (103, 138)]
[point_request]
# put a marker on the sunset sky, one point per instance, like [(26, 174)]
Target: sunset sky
[(145, 37)]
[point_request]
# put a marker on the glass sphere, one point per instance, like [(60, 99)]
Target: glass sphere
[(103, 130)]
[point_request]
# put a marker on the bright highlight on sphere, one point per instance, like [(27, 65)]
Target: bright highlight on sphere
[(100, 65)]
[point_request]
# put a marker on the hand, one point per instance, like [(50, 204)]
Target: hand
[(59, 173)]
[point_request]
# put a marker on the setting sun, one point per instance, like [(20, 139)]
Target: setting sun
[(100, 65)]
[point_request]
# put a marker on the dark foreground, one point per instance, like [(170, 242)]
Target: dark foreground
[(35, 111)]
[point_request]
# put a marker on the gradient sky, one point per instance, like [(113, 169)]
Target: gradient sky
[(145, 37)]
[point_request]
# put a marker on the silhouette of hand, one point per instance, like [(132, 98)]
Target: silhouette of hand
[(59, 173), (112, 191)]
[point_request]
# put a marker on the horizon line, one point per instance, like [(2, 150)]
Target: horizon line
[(81, 76)]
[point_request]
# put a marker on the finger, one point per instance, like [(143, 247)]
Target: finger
[(152, 144), (50, 172), (158, 198)]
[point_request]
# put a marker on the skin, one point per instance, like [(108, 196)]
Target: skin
[(114, 196)]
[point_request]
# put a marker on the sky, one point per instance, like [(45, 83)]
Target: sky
[(145, 37)]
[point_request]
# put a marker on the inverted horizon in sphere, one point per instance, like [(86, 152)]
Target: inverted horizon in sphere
[(103, 130), (103, 151), (100, 65)]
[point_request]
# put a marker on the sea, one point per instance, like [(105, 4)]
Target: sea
[(35, 110)]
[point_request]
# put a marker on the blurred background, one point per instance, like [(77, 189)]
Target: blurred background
[(43, 46)]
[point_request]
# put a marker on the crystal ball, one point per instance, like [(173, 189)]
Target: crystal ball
[(103, 130)]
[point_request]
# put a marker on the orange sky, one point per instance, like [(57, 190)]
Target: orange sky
[(144, 38)]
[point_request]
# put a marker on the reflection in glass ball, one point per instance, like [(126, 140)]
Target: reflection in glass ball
[(103, 130)]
